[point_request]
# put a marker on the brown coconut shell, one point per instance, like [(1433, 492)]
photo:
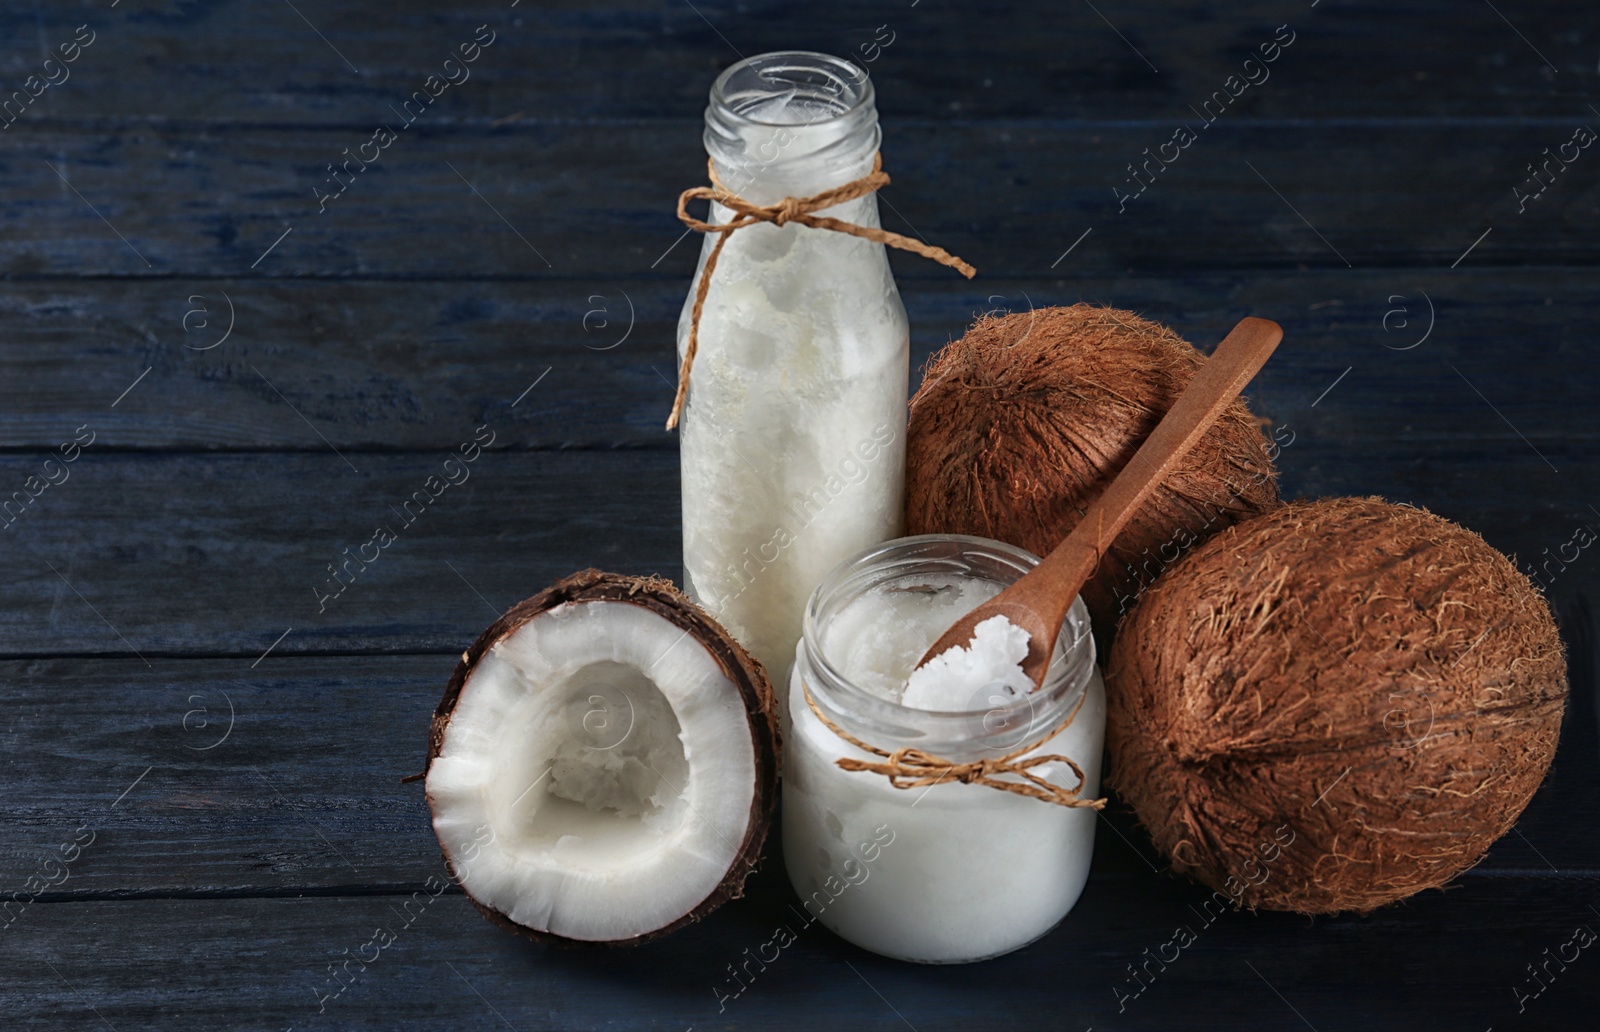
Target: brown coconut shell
[(662, 597), (1335, 705), (1020, 424)]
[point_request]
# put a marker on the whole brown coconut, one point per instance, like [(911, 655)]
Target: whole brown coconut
[(1020, 424), (1335, 705)]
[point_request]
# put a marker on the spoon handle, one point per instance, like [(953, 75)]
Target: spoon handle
[(1236, 360), (1038, 602)]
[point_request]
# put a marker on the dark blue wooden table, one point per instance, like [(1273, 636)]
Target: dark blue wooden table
[(249, 360)]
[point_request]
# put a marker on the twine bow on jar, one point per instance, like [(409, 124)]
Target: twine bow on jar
[(913, 768), (789, 209)]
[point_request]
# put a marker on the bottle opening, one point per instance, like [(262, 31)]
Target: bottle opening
[(790, 88), (791, 124)]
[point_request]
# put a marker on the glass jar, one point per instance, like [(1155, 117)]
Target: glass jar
[(792, 443), (951, 872)]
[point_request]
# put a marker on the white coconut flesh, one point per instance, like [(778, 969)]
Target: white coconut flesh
[(596, 778)]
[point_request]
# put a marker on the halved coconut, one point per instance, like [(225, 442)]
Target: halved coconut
[(603, 766)]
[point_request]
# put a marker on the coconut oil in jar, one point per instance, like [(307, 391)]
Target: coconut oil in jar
[(949, 872), (792, 443)]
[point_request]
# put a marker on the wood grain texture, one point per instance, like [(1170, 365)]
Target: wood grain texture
[(219, 554), (376, 365), (233, 550), (216, 777), (575, 200), (264, 964), (263, 64)]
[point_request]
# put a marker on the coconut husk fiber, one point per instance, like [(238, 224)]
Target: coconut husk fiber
[(1334, 705), (1020, 424)]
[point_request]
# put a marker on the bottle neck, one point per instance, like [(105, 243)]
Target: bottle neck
[(791, 124)]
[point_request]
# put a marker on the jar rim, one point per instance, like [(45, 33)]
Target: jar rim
[(889, 723)]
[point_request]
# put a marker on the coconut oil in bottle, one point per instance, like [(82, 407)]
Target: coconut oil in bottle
[(793, 433)]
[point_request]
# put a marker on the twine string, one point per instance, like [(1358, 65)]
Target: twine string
[(913, 768), (790, 209)]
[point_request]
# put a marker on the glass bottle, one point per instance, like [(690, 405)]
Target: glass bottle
[(792, 440), (951, 872)]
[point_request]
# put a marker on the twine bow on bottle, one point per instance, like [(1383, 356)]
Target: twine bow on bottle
[(790, 209), (913, 768)]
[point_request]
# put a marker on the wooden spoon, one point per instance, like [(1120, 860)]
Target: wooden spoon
[(1039, 600)]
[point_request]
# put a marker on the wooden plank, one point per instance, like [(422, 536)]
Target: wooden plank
[(262, 63), (594, 202), (376, 365), (217, 776), (267, 964), (225, 552), (213, 777), (219, 554)]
